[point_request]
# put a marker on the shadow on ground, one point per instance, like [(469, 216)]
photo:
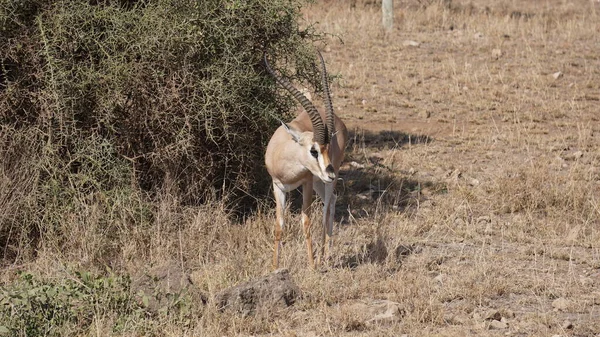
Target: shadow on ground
[(370, 186), (360, 138), (369, 183), (376, 252)]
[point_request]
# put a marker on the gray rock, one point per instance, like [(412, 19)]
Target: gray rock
[(557, 75), (573, 156), (459, 319), (567, 325), (561, 304), (491, 315), (496, 53), (487, 315), (357, 165), (473, 182), (161, 286), (270, 292), (410, 43), (485, 219), (498, 325), (377, 311)]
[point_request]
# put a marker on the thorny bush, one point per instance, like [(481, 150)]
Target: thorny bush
[(101, 98)]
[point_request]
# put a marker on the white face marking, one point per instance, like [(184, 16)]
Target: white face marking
[(313, 159), (322, 166)]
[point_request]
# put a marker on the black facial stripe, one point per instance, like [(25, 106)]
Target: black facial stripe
[(313, 152)]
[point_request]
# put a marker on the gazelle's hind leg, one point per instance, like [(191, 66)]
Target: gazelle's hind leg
[(325, 191)]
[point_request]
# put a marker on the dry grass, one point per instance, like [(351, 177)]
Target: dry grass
[(485, 167)]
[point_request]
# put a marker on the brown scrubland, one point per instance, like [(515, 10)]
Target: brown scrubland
[(469, 197)]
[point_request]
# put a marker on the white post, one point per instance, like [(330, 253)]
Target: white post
[(387, 9)]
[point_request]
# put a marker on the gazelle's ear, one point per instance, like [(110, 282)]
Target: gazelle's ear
[(294, 133)]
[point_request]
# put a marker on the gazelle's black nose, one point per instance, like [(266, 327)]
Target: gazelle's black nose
[(330, 171)]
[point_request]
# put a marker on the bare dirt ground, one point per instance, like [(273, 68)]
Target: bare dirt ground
[(471, 190)]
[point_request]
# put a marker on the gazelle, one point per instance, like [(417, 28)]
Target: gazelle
[(307, 152)]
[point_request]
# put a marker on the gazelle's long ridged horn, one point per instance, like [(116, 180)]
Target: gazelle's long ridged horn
[(328, 103), (320, 134)]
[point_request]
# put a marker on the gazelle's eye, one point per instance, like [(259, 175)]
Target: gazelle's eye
[(313, 152)]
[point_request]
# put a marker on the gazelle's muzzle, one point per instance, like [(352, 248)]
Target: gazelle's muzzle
[(330, 172)]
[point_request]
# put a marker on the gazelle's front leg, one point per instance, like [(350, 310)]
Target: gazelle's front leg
[(328, 243), (278, 230), (325, 191), (307, 190), (328, 210)]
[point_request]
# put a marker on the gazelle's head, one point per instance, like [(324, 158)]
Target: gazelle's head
[(315, 145), (315, 157)]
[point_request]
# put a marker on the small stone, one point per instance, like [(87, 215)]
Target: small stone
[(573, 156), (478, 35), (561, 304), (405, 250), (586, 281), (557, 75), (480, 325), (459, 319), (424, 114), (498, 325), (377, 311), (508, 313), (489, 229), (473, 182), (496, 53), (487, 315), (484, 219), (596, 296), (440, 278), (567, 325), (410, 43), (357, 165), (492, 315), (454, 174), (363, 196)]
